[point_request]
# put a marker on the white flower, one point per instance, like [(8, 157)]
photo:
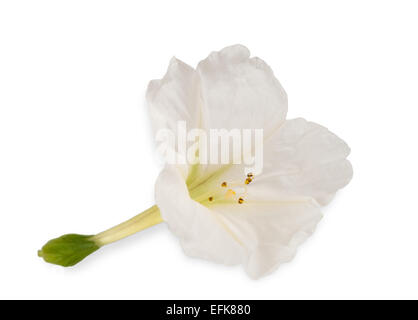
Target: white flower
[(304, 164), (224, 213)]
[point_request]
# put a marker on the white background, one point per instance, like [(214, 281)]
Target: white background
[(76, 150)]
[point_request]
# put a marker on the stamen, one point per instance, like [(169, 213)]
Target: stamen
[(248, 180), (210, 199), (240, 200), (250, 175), (224, 185)]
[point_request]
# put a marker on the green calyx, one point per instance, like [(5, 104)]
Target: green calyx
[(68, 249)]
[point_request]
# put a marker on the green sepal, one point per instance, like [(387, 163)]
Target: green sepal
[(68, 249)]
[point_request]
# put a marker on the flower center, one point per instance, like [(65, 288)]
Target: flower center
[(225, 192)]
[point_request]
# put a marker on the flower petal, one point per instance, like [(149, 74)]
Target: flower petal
[(174, 98), (302, 159), (200, 231), (239, 92), (260, 236), (270, 232)]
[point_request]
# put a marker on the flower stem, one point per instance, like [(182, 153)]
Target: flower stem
[(144, 220), (70, 249)]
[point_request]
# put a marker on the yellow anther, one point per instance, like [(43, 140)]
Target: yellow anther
[(248, 180), (210, 199), (223, 184), (240, 200), (250, 175)]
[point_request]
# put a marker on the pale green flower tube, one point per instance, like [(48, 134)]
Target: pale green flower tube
[(70, 249)]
